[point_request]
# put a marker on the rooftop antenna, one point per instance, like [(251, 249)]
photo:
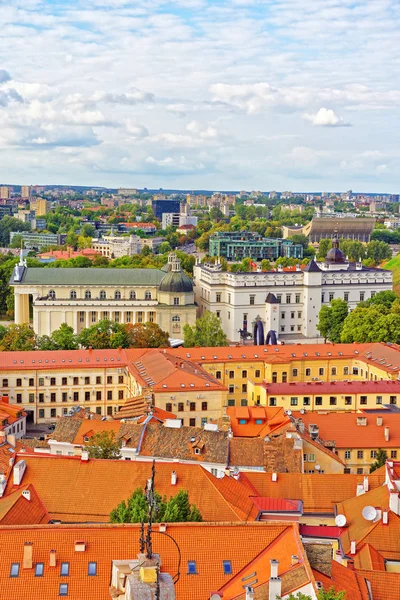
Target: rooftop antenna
[(151, 501)]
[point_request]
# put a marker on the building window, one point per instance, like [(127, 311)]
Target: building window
[(293, 401), (355, 370), (360, 453), (393, 454), (76, 396), (87, 396), (76, 380), (81, 316), (117, 317), (98, 395), (252, 300), (306, 401), (117, 295), (243, 402), (92, 569), (322, 298), (98, 380), (294, 372), (176, 301), (363, 399), (321, 372), (120, 394), (181, 407), (373, 453), (244, 374), (63, 589), (5, 382), (41, 381), (333, 371), (345, 370), (231, 374), (279, 298), (284, 377), (347, 471), (348, 400), (72, 295), (103, 295), (331, 296), (39, 569), (192, 406), (204, 406), (226, 564), (347, 454), (229, 316), (393, 399), (288, 298), (229, 298), (244, 388), (318, 401), (274, 377), (360, 471), (292, 314), (53, 397), (109, 410), (41, 397), (14, 571), (53, 413), (147, 295), (18, 382), (231, 402), (231, 389), (379, 399), (52, 295), (109, 395), (283, 315), (88, 295), (362, 296), (346, 296), (192, 422), (332, 401), (93, 317), (272, 402), (109, 379), (31, 398), (41, 413), (19, 398), (298, 299), (140, 317), (52, 381), (64, 381), (192, 567), (311, 458), (168, 407), (64, 397), (257, 373), (218, 297), (64, 569), (218, 375), (218, 313)]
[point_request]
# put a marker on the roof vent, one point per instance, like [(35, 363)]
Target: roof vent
[(362, 421), (174, 478), (379, 421), (173, 423)]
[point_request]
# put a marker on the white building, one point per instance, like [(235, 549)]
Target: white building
[(112, 246), (285, 302)]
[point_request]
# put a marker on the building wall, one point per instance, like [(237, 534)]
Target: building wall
[(196, 417)]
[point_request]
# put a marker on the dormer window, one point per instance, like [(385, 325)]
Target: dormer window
[(197, 451)]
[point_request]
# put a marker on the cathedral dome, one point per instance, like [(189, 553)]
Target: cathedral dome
[(335, 255), (175, 280)]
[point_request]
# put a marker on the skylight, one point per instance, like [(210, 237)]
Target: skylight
[(39, 569), (64, 571), (227, 567), (63, 589), (192, 567), (14, 571), (92, 568)]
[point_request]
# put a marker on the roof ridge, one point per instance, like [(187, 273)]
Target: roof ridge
[(231, 506)]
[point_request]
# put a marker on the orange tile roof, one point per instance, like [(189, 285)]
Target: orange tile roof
[(344, 430), (319, 493), (62, 359), (206, 544), (252, 429), (80, 490), (89, 428), (343, 578), (384, 585), (368, 558), (15, 509)]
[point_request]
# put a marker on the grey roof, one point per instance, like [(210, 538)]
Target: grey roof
[(90, 276), (176, 281), (312, 267), (271, 298)]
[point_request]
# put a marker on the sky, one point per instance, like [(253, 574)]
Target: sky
[(294, 95)]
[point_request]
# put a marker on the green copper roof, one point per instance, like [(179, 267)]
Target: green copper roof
[(90, 276)]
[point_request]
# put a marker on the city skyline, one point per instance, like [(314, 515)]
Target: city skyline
[(247, 94)]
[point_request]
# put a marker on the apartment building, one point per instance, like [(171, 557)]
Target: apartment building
[(245, 244)]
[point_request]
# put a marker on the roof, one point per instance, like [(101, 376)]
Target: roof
[(105, 543), (176, 281), (319, 493), (136, 407), (384, 585), (343, 578), (80, 490), (277, 505), (316, 388), (343, 428), (312, 267), (15, 509), (247, 452), (265, 414), (69, 276)]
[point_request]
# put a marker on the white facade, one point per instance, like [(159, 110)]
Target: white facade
[(239, 298)]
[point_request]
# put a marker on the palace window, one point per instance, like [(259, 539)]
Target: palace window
[(103, 295), (72, 295), (88, 295), (52, 295), (117, 295), (147, 295), (132, 295)]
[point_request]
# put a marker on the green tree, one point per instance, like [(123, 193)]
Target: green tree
[(147, 335), (330, 594), (104, 334), (88, 230), (331, 319), (84, 242), (8, 224), (206, 332), (175, 510), (300, 238), (19, 337), (65, 338), (164, 247), (323, 247), (17, 242), (381, 458), (266, 265), (104, 445)]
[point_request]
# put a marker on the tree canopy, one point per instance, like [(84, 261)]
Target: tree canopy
[(331, 319), (206, 332), (104, 445), (381, 458)]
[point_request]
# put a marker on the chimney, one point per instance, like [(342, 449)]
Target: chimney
[(2, 437), (295, 560), (28, 552), (53, 558), (173, 478), (275, 582), (11, 439), (387, 434), (366, 484), (378, 514), (338, 556), (18, 471), (85, 455), (80, 546), (360, 489), (379, 421), (385, 517), (274, 477), (353, 546)]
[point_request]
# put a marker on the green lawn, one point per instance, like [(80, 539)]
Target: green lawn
[(394, 265)]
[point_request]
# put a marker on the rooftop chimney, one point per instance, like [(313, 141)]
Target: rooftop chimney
[(19, 470), (2, 437), (53, 558), (385, 517), (387, 434), (275, 582), (173, 478), (366, 484), (274, 477), (350, 564), (360, 489), (85, 455), (353, 546), (28, 553), (11, 439), (295, 559), (379, 421)]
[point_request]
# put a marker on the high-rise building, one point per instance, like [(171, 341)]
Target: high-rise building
[(4, 192), (25, 191)]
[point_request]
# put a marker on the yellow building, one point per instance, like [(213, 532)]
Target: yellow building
[(40, 206), (4, 192)]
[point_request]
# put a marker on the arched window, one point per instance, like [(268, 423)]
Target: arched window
[(72, 295), (132, 295), (52, 294), (147, 295), (117, 295), (88, 295), (176, 319), (103, 295)]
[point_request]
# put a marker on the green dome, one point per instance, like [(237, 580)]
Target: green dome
[(176, 281)]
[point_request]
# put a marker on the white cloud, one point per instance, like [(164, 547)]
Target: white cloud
[(326, 117)]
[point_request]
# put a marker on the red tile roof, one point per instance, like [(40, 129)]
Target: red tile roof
[(15, 509), (315, 388)]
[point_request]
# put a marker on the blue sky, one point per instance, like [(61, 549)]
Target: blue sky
[(240, 94)]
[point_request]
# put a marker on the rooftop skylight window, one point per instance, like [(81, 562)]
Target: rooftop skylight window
[(63, 589), (92, 568), (64, 570), (227, 567), (39, 569), (14, 571), (192, 567)]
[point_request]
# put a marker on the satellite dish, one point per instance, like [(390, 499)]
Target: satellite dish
[(288, 412), (340, 520), (369, 513), (215, 597), (302, 411)]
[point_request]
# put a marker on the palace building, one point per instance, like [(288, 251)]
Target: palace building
[(82, 297), (286, 301)]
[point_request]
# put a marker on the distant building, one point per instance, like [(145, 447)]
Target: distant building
[(27, 216), (347, 227), (244, 244), (148, 228), (115, 247), (165, 206), (177, 220), (25, 192), (4, 192), (40, 206), (39, 240), (127, 192)]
